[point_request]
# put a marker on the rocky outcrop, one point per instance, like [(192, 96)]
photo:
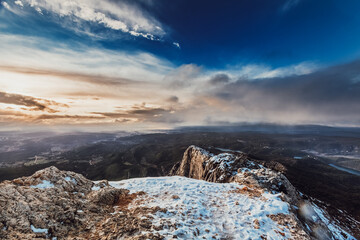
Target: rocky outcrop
[(238, 167), (64, 205), (54, 204), (232, 167)]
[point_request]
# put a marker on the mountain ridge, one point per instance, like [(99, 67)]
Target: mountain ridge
[(58, 204)]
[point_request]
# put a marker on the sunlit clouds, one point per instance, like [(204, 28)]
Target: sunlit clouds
[(65, 86), (96, 86), (121, 65)]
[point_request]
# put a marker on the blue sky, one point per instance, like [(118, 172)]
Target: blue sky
[(216, 34), (178, 49)]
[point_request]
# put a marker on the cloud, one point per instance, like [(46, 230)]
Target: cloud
[(176, 44), (98, 81), (297, 69), (173, 99), (328, 96), (219, 78), (289, 4), (123, 16), (6, 5), (34, 104), (12, 113), (259, 71), (19, 3), (140, 113), (81, 77), (39, 53), (59, 116), (183, 76)]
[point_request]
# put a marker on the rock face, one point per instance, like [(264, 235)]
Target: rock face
[(238, 167), (233, 167)]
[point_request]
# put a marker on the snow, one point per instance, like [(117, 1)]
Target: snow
[(228, 150), (95, 188), (205, 210), (44, 184), (38, 230), (225, 160), (70, 179), (202, 151), (335, 230)]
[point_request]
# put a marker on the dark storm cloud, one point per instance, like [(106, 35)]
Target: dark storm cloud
[(220, 78), (34, 104), (330, 94)]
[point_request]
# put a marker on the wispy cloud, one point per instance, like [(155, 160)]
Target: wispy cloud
[(289, 4), (123, 16), (182, 76), (81, 77), (6, 5), (176, 44), (140, 113), (29, 52), (259, 71), (59, 116), (34, 104)]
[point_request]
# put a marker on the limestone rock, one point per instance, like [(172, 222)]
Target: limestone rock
[(65, 205)]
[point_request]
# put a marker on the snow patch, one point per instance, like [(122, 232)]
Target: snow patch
[(203, 210), (228, 150), (43, 185), (335, 230), (70, 179), (39, 230), (225, 160), (202, 151)]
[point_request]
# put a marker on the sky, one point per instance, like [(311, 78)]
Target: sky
[(159, 64)]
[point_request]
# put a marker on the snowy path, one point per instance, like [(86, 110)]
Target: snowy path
[(204, 210)]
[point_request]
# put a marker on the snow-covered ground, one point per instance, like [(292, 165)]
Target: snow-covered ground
[(198, 209), (335, 230), (44, 184)]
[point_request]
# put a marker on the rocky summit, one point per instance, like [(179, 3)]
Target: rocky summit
[(207, 196)]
